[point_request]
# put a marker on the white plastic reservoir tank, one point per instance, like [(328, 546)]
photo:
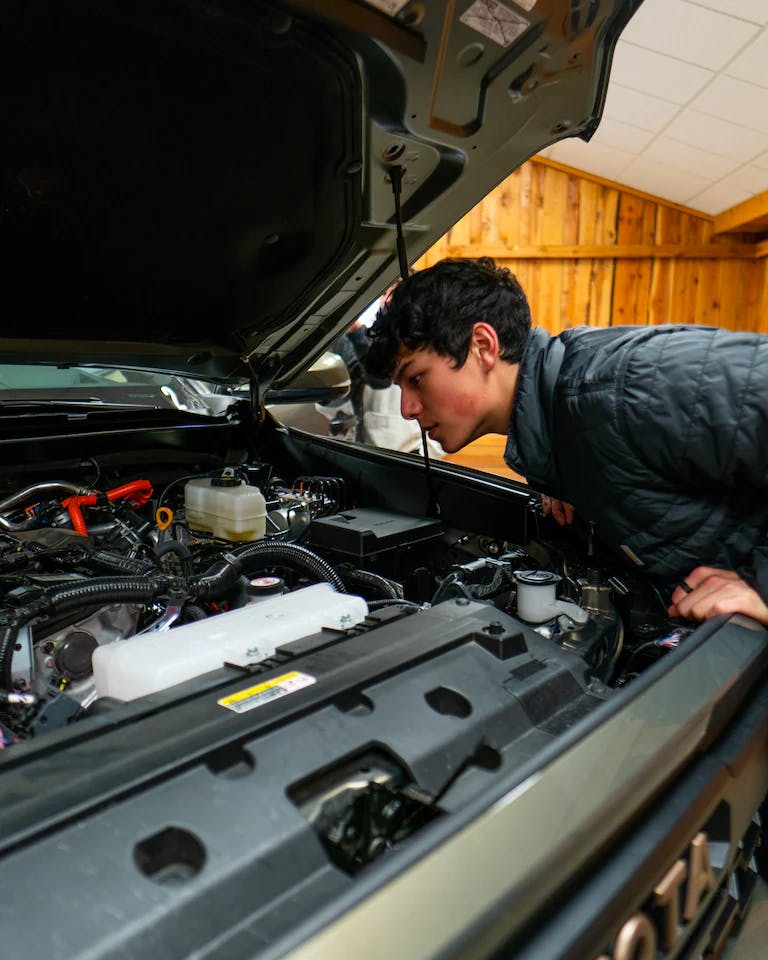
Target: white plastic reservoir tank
[(153, 661), (225, 506)]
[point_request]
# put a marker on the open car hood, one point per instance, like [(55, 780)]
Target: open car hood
[(205, 187)]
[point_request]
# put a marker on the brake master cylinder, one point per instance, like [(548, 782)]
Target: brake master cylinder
[(537, 601)]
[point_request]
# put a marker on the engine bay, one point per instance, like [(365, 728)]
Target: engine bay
[(114, 587)]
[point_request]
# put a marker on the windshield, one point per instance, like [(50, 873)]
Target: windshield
[(66, 384)]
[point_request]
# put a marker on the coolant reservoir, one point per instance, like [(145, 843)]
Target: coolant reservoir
[(154, 661), (225, 506)]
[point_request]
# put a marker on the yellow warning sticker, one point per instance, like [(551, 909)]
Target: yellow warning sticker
[(262, 693)]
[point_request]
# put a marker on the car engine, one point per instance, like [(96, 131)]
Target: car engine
[(110, 593)]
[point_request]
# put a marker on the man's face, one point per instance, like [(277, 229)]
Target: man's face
[(449, 402)]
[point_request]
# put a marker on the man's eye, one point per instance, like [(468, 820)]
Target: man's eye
[(414, 380)]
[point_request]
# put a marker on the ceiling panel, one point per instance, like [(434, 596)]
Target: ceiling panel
[(665, 26), (750, 64), (640, 109), (754, 10), (660, 76), (752, 179), (623, 136), (731, 99), (684, 157), (718, 197), (718, 136), (686, 115), (604, 161), (664, 180)]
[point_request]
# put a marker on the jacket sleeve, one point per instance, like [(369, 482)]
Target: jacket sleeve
[(696, 410)]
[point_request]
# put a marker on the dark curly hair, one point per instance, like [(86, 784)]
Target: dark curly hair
[(439, 307)]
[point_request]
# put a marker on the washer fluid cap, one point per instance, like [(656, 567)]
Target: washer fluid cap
[(537, 578)]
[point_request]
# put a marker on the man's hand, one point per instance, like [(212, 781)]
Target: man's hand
[(561, 511), (714, 592)]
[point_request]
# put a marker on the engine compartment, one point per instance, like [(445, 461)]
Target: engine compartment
[(104, 568), (365, 680)]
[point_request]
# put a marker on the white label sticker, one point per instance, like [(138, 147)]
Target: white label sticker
[(252, 697), (392, 7), (526, 4), (495, 21)]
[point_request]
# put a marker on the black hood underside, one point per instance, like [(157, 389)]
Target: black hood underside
[(164, 178), (185, 184)]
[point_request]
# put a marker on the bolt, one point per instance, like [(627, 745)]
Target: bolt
[(391, 809), (376, 846)]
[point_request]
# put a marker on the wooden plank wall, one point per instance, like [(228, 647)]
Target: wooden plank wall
[(553, 228)]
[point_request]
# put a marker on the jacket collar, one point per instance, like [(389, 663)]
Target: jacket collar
[(529, 440)]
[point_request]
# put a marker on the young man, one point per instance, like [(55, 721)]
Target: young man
[(657, 434)]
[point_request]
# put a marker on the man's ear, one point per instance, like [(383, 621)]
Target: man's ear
[(485, 343)]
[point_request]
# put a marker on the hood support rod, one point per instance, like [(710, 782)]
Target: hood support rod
[(396, 179)]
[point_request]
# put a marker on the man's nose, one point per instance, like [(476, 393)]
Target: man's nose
[(410, 407)]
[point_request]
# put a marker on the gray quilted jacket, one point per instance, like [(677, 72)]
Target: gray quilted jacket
[(659, 435)]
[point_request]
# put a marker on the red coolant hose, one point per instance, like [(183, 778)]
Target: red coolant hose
[(138, 492)]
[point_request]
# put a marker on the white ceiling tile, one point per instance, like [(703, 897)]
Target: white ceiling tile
[(750, 64), (731, 99), (717, 135), (656, 74), (688, 32), (663, 180), (686, 113), (643, 111), (754, 10), (750, 178), (717, 198), (684, 157), (622, 136), (591, 157)]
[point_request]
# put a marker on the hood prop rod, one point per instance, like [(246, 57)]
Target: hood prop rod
[(396, 179), (260, 382)]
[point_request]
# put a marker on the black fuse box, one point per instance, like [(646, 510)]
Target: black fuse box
[(365, 532)]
